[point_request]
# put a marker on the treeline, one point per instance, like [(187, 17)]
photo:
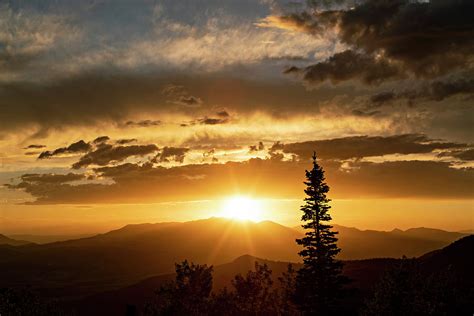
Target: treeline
[(251, 294), (404, 290)]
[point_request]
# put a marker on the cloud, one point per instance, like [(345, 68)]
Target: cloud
[(223, 117), (51, 177), (126, 141), (365, 146), (212, 121), (392, 38), (348, 65), (262, 177), (176, 154), (437, 90), (189, 101), (430, 38), (465, 155), (26, 37), (101, 139), (178, 94), (77, 147), (259, 147), (223, 114), (95, 99), (42, 185), (35, 146), (143, 123), (107, 153)]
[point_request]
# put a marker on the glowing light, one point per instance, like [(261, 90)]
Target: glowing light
[(242, 208)]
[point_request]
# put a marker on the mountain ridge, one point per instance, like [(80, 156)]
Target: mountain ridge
[(132, 253)]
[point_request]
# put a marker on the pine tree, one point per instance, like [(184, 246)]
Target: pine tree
[(319, 282), (189, 294)]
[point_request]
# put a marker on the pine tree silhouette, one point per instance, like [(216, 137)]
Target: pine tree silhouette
[(319, 282), (189, 294)]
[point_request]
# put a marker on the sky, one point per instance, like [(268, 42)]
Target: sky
[(116, 112)]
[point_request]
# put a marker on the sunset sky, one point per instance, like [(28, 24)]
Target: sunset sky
[(117, 112)]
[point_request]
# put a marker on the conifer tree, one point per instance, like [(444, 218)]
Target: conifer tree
[(319, 282)]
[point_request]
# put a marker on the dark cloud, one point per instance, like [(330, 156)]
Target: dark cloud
[(407, 179), (259, 147), (75, 148), (437, 90), (101, 140), (126, 141), (365, 146), (179, 95), (383, 97), (34, 146), (95, 98), (108, 153), (209, 153), (143, 123), (430, 38), (277, 146), (34, 182), (269, 177), (189, 101), (176, 154), (32, 153), (425, 39), (364, 113), (223, 114), (223, 117), (348, 65), (466, 155), (206, 141), (212, 121), (51, 177)]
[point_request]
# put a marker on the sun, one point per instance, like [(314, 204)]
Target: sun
[(242, 208)]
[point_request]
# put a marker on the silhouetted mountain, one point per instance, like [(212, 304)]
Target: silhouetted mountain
[(45, 239), (121, 257), (4, 240), (126, 255), (363, 244)]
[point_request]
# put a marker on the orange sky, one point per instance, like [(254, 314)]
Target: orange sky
[(100, 127)]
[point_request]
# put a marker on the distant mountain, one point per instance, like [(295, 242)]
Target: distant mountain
[(45, 239), (124, 256), (363, 244), (413, 242), (4, 240), (120, 257)]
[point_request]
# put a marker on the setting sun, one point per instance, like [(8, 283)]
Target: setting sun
[(242, 208)]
